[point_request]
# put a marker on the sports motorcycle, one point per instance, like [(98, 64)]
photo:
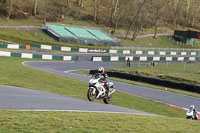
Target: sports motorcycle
[(97, 90), (190, 114)]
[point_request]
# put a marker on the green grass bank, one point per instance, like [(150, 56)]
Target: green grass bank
[(76, 122), (187, 71), (13, 73)]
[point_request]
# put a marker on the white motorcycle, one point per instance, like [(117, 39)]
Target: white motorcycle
[(190, 114), (98, 91)]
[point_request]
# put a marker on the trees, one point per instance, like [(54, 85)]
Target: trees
[(96, 10), (177, 11), (135, 18), (119, 15), (193, 9), (113, 9), (130, 15), (158, 7)]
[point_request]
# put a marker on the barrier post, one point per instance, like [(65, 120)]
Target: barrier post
[(185, 66)]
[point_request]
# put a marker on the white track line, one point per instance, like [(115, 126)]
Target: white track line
[(85, 111)]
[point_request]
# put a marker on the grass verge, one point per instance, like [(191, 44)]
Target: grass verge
[(13, 73), (187, 73), (38, 36), (53, 122)]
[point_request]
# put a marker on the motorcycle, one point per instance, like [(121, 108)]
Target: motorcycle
[(97, 90), (190, 114)]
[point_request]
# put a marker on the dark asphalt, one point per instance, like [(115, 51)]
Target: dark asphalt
[(16, 98), (148, 93), (26, 99)]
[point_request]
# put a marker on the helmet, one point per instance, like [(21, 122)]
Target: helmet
[(191, 107), (101, 70)]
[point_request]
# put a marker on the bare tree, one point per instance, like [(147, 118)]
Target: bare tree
[(35, 7), (142, 18), (119, 15), (80, 3), (172, 4), (96, 11), (112, 11), (114, 8), (133, 18), (10, 9), (193, 7), (68, 4), (178, 8), (158, 6)]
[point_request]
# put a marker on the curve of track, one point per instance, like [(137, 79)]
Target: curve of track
[(27, 99), (17, 98), (62, 68)]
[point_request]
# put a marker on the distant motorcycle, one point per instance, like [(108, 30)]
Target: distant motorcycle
[(97, 90), (190, 114)]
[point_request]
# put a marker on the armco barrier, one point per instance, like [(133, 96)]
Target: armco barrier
[(59, 48), (144, 58), (38, 56), (154, 81), (109, 51), (13, 46), (125, 52)]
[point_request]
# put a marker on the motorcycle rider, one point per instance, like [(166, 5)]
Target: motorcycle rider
[(103, 78), (192, 108)]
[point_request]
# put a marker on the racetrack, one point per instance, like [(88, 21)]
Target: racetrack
[(62, 68), (15, 98)]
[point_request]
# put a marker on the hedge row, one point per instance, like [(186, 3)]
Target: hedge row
[(154, 81)]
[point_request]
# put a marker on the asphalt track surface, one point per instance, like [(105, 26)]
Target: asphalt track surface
[(15, 98), (62, 68)]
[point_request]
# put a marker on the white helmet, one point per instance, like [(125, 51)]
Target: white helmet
[(101, 70), (192, 107)]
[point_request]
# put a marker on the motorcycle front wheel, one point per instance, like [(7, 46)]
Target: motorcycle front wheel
[(91, 96), (108, 99)]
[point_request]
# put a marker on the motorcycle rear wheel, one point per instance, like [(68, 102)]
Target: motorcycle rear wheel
[(90, 95), (108, 99)]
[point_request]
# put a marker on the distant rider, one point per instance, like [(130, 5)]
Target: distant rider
[(103, 78), (192, 108)]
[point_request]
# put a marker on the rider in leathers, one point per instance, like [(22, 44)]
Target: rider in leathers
[(194, 110), (103, 77)]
